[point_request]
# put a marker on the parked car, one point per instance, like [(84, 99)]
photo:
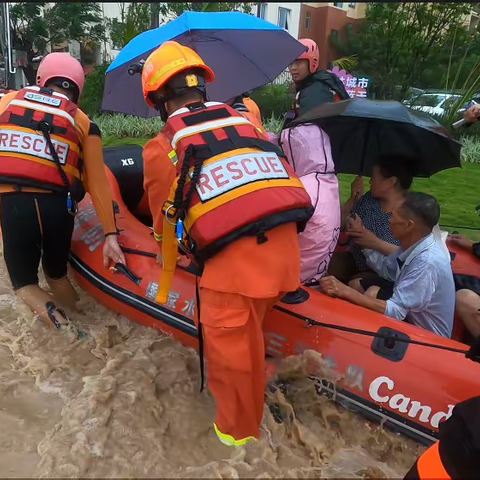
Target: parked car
[(439, 103)]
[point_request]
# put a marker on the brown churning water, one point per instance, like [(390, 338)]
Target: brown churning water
[(126, 403)]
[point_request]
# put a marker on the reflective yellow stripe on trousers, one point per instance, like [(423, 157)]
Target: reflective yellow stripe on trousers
[(229, 440)]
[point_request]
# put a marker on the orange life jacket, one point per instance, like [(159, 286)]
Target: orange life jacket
[(25, 158), (429, 466), (245, 185)]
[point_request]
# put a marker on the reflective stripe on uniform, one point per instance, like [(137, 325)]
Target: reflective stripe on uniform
[(158, 237), (229, 440), (208, 126), (48, 163), (37, 89), (430, 465), (43, 108), (173, 157), (202, 208), (186, 110)]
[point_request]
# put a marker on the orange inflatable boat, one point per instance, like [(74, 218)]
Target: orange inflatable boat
[(385, 373)]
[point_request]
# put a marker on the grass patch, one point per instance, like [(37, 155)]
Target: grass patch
[(112, 141)]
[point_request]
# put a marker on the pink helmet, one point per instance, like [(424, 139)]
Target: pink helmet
[(61, 65), (312, 54)]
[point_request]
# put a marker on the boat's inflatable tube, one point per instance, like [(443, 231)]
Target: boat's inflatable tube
[(411, 387)]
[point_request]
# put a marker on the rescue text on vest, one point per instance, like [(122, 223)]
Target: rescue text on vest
[(31, 144), (227, 174)]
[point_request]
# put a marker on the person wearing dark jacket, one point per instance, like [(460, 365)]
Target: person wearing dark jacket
[(313, 86)]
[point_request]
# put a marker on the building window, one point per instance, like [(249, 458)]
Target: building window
[(352, 4), (308, 17), (338, 4), (262, 11), (283, 18)]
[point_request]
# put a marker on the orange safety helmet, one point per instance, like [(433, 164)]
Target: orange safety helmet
[(312, 54), (165, 62)]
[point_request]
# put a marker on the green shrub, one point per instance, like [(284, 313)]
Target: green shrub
[(273, 124), (126, 126), (119, 126), (273, 100), (470, 149), (91, 100)]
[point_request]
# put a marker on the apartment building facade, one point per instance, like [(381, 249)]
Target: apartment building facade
[(313, 20), (319, 21)]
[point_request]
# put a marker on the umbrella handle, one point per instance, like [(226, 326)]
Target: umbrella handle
[(353, 212), (461, 123)]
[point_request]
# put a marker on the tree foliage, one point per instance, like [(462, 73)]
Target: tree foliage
[(412, 44), (135, 18), (177, 8), (34, 26), (91, 99)]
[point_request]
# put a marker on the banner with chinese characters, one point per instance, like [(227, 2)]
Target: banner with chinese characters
[(355, 87)]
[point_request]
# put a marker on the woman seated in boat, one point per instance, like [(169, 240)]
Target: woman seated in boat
[(424, 290), (391, 179)]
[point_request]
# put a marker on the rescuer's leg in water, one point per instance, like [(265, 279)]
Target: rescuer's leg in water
[(63, 290), (43, 305), (235, 353), (38, 227)]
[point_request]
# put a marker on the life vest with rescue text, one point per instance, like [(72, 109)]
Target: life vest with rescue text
[(25, 157), (245, 186)]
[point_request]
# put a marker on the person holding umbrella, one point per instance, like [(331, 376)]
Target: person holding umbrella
[(314, 86), (224, 195)]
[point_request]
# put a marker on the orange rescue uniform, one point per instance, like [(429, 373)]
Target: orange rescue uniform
[(94, 176), (238, 286)]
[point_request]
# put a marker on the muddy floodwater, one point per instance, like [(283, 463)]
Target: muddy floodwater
[(126, 403)]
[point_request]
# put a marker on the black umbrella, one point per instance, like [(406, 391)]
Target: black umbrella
[(361, 131)]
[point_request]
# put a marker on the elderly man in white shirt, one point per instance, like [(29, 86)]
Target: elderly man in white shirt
[(424, 290)]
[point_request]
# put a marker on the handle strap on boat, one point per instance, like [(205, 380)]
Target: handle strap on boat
[(473, 353)]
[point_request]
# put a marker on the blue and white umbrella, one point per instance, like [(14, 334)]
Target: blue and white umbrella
[(244, 51)]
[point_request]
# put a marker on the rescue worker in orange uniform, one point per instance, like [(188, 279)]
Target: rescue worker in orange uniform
[(457, 455), (50, 153), (240, 218)]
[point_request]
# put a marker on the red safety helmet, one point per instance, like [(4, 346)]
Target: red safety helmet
[(312, 54), (62, 66)]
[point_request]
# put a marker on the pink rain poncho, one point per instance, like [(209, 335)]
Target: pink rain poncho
[(308, 150)]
